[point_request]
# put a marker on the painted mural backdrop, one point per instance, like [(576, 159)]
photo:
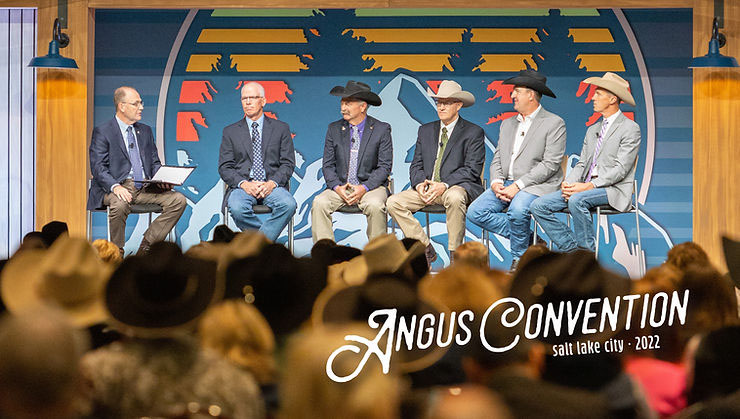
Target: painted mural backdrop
[(188, 66)]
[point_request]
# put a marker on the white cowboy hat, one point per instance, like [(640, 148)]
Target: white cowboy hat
[(449, 89), (615, 84)]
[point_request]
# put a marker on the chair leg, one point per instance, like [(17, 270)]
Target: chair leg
[(534, 235), (107, 223), (290, 235), (89, 226), (598, 230), (429, 234), (639, 244)]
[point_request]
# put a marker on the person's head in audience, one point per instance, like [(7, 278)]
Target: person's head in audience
[(466, 402), (32, 240), (321, 251), (52, 231), (161, 294), (308, 392), (712, 303), (716, 371), (461, 287), (39, 366), (282, 287), (107, 251), (688, 253), (418, 266), (532, 252), (236, 330), (471, 253), (223, 234)]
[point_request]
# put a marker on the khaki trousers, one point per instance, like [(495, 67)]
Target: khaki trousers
[(402, 206), (326, 203), (173, 204)]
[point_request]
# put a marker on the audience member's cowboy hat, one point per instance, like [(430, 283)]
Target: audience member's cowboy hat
[(357, 303), (615, 84), (382, 255), (562, 277), (70, 276), (357, 90), (533, 80), (732, 258), (162, 293), (450, 89)]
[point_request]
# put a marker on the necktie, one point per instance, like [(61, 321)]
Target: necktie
[(354, 151), (600, 140), (258, 169), (135, 157), (440, 153)]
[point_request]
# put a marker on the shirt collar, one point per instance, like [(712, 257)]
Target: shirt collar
[(610, 120), (122, 125), (360, 126), (259, 121), (451, 126), (529, 117)]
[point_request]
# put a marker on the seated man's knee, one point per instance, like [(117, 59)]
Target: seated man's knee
[(374, 207), (119, 206), (393, 204), (320, 203), (180, 201), (539, 206)]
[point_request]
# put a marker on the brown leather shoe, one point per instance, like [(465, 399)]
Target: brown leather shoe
[(430, 254)]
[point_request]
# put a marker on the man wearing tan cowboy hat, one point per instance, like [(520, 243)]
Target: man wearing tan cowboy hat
[(604, 174), (526, 164), (358, 155), (445, 170)]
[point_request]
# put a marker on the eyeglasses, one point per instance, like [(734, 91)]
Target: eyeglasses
[(251, 98), (441, 103), (136, 104)]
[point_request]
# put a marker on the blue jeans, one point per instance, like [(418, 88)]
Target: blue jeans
[(579, 205), (487, 211), (281, 202)]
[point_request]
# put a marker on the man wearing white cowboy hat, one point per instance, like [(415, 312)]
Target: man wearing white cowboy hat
[(445, 170), (358, 155), (526, 164), (604, 174)]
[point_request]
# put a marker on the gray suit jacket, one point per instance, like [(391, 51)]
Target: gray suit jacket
[(538, 163), (616, 160)]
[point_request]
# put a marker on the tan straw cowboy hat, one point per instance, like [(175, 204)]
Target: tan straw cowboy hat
[(615, 84)]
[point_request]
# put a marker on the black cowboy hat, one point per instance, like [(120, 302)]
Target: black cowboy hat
[(357, 90), (162, 293), (533, 80)]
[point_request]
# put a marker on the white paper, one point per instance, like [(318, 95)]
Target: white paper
[(172, 174)]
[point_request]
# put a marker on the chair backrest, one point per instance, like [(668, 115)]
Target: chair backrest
[(634, 182)]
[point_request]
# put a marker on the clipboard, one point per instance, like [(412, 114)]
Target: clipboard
[(175, 175)]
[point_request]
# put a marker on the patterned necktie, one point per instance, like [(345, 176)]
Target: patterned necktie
[(134, 156), (258, 169), (354, 151), (440, 153), (604, 124)]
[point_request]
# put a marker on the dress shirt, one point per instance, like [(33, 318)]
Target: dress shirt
[(124, 127), (609, 123)]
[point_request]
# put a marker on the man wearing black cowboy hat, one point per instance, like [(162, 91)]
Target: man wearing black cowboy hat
[(526, 164), (358, 155), (446, 169)]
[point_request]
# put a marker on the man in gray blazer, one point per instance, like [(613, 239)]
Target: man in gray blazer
[(256, 161), (358, 155), (526, 164), (604, 174), (445, 170)]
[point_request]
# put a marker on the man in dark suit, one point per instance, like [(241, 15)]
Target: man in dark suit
[(256, 161), (358, 155), (122, 153), (446, 169)]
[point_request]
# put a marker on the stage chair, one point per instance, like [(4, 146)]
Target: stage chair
[(259, 210), (355, 209)]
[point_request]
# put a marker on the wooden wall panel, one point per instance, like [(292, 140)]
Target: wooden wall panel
[(716, 135), (62, 97), (278, 4)]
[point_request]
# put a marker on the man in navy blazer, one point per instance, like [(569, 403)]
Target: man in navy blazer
[(446, 169), (358, 155), (123, 152), (256, 161)]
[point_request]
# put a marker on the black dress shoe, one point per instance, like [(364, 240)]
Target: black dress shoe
[(430, 254)]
